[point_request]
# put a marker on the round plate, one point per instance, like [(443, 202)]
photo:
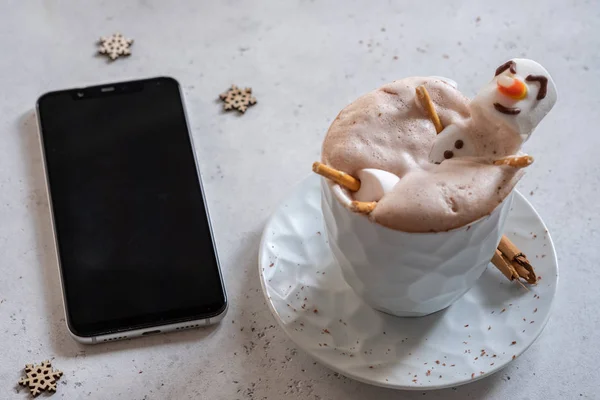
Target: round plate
[(479, 334)]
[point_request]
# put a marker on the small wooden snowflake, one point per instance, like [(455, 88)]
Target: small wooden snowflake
[(40, 377), (239, 99), (115, 46)]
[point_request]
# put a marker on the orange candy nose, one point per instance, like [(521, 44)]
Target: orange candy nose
[(512, 87)]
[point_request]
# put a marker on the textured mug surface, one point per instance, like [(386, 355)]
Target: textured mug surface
[(408, 274)]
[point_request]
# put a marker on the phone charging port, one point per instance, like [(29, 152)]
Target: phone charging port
[(151, 332)]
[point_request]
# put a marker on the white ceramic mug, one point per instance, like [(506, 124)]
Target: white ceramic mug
[(408, 274)]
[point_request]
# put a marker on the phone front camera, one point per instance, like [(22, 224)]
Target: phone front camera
[(79, 94)]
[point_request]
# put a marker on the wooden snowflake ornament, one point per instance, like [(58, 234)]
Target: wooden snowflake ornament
[(239, 99), (115, 46), (40, 377)]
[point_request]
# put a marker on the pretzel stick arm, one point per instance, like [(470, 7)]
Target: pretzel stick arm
[(339, 177), (515, 161), (425, 100)]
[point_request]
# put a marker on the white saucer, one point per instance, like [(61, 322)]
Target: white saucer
[(481, 333)]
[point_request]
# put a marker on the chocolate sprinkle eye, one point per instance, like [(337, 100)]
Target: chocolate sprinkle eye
[(459, 144), (448, 154)]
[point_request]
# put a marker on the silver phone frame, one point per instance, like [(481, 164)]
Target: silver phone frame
[(155, 329)]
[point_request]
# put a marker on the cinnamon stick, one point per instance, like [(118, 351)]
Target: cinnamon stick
[(339, 177), (518, 260), (425, 100), (504, 265)]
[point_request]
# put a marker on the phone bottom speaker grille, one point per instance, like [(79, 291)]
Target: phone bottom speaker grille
[(116, 338), (188, 327)]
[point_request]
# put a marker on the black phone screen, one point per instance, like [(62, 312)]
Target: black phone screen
[(134, 239)]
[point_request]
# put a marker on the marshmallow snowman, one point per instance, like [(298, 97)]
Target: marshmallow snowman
[(514, 102)]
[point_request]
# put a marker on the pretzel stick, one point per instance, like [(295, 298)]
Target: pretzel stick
[(347, 181), (363, 207), (425, 100), (339, 177), (515, 161)]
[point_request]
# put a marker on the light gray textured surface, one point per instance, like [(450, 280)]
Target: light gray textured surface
[(305, 61)]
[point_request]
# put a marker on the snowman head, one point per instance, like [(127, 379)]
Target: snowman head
[(519, 96)]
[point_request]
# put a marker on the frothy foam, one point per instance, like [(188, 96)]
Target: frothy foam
[(388, 129)]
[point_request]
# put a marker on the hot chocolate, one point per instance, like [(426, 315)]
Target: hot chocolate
[(429, 182)]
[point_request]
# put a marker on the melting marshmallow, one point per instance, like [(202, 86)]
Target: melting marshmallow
[(374, 184), (503, 114)]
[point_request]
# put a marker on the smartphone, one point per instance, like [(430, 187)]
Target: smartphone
[(135, 248)]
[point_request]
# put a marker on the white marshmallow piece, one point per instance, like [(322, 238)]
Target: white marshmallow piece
[(374, 183)]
